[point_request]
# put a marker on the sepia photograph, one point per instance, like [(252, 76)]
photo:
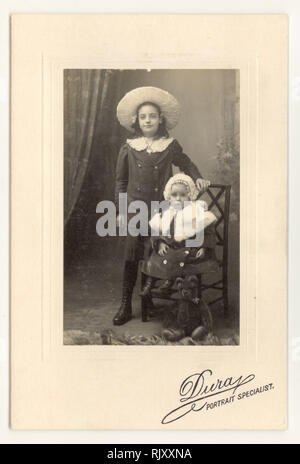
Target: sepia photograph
[(151, 207), (148, 209)]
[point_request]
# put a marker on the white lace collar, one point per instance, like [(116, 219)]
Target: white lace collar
[(158, 145)]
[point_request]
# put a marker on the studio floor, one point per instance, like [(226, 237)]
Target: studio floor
[(92, 296)]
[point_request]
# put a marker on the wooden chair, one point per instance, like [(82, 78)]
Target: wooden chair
[(218, 199), (217, 193)]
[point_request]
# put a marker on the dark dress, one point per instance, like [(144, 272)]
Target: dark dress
[(143, 176), (179, 260)]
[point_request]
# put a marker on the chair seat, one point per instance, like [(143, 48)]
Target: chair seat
[(208, 266), (204, 267)]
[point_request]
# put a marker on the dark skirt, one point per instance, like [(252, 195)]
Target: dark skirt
[(136, 248), (179, 260), (139, 247)]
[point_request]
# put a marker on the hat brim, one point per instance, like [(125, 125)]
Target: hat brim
[(128, 105)]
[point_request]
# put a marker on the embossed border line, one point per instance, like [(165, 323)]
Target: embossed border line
[(52, 204)]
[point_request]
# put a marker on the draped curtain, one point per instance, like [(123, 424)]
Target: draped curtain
[(85, 93)]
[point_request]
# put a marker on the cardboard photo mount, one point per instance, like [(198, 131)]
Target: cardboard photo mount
[(134, 387)]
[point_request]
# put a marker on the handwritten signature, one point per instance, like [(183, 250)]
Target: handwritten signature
[(196, 388)]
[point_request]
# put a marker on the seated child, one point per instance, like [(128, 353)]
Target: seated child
[(183, 221)]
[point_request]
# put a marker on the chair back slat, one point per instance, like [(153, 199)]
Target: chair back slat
[(220, 199)]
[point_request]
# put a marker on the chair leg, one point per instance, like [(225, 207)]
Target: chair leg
[(144, 308), (225, 297), (144, 300), (199, 286)]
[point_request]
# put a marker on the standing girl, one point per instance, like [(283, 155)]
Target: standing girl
[(145, 165)]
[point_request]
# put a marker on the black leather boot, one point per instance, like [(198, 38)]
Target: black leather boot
[(151, 310), (129, 278), (147, 287)]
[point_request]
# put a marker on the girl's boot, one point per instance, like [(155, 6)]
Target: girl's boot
[(124, 313)]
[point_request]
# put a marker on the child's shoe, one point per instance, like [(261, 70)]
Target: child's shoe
[(146, 290)]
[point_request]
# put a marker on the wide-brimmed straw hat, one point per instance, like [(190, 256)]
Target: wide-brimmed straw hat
[(128, 105)]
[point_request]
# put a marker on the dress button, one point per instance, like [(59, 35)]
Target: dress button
[(156, 189), (139, 165), (181, 264), (155, 167), (165, 261), (187, 252), (138, 189)]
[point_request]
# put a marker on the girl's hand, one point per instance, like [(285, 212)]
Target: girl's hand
[(202, 184), (162, 248)]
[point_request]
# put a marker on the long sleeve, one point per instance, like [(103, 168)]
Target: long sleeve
[(122, 171), (184, 163), (156, 231), (160, 226)]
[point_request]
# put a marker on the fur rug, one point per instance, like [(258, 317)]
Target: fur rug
[(109, 337)]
